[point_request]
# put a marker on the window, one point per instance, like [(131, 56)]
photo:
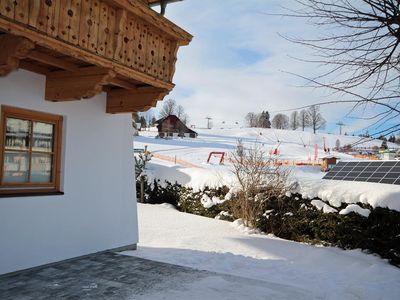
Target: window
[(30, 151)]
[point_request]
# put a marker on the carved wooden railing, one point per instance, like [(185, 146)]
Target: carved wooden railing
[(125, 36)]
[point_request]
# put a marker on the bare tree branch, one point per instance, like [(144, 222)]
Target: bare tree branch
[(359, 52)]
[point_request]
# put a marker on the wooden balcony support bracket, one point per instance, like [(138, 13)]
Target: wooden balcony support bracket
[(134, 100), (75, 85), (12, 50)]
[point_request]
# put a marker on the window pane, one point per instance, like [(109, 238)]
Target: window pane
[(16, 167), (17, 134), (41, 168), (43, 137)]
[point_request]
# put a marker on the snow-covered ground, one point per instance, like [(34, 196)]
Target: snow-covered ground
[(321, 272), (193, 171), (292, 145)]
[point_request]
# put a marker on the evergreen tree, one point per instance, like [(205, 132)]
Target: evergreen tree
[(266, 123), (143, 122), (258, 120), (382, 138)]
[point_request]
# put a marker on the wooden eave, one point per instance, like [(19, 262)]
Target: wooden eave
[(131, 54)]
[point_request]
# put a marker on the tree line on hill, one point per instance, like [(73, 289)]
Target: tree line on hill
[(305, 118)]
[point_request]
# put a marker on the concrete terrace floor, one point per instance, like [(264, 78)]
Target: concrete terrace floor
[(114, 276)]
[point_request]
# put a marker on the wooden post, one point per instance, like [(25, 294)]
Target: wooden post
[(141, 189)]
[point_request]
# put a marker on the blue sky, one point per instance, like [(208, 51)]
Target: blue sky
[(237, 62)]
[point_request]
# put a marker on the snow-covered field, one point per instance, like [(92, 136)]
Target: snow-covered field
[(192, 170), (320, 272), (295, 145)]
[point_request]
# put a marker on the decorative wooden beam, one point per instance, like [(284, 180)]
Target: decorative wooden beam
[(12, 50), (52, 61), (75, 85), (128, 101), (123, 84), (33, 68), (65, 65)]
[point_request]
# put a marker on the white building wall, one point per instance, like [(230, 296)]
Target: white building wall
[(98, 210)]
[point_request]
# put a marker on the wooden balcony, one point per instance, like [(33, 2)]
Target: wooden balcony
[(84, 47)]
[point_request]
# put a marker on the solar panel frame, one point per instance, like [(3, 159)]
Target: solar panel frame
[(392, 175), (387, 172)]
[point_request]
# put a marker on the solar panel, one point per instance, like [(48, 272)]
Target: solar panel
[(387, 172)]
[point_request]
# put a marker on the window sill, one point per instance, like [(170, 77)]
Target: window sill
[(29, 194)]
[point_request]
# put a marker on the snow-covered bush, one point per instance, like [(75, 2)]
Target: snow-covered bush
[(260, 178), (141, 160), (157, 193), (209, 202), (306, 220)]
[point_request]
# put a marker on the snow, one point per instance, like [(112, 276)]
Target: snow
[(357, 209), (293, 145), (196, 178), (208, 202), (223, 214), (320, 205), (170, 236), (296, 145), (337, 192), (240, 226)]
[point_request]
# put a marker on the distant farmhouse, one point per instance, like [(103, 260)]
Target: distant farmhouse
[(172, 126)]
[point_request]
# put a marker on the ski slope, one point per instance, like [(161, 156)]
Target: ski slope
[(191, 168), (293, 145)]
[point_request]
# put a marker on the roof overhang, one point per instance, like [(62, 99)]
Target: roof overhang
[(158, 2)]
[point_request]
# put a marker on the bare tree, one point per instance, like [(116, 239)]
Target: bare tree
[(280, 121), (360, 50), (251, 119), (315, 118), (304, 120), (260, 178), (258, 120), (184, 118), (337, 144), (148, 115), (181, 114), (180, 111), (169, 108), (294, 120)]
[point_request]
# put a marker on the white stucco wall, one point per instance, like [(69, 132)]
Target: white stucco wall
[(98, 210)]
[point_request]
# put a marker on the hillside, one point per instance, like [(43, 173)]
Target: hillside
[(191, 168), (293, 145)]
